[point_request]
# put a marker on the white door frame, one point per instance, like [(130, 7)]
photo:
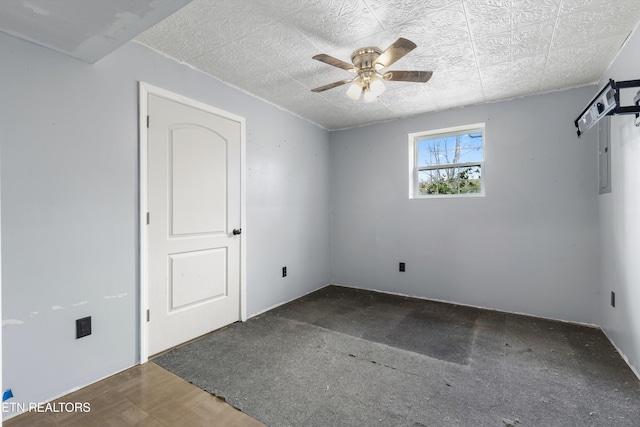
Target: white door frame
[(144, 90)]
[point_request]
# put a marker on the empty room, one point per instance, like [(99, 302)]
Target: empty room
[(319, 213)]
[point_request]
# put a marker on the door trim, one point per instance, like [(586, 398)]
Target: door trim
[(144, 90)]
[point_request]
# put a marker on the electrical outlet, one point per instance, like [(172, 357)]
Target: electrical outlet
[(613, 299), (284, 271), (83, 327), (402, 266)]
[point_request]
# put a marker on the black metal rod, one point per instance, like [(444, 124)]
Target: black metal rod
[(627, 110), (628, 83)]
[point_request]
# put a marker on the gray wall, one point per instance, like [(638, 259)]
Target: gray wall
[(69, 134), (529, 246), (619, 217)]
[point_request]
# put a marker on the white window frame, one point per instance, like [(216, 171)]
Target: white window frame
[(414, 169)]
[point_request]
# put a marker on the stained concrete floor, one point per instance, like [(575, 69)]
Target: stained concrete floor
[(341, 356)]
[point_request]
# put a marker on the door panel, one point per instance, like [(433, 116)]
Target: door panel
[(194, 204), (197, 277), (198, 181)]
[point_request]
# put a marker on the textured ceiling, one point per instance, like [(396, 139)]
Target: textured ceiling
[(479, 50), (85, 30)]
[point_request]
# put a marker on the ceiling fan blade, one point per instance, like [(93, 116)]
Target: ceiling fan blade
[(335, 62), (408, 76), (394, 52), (331, 85)]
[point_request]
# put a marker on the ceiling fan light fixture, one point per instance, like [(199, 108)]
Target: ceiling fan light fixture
[(369, 96), (376, 87), (354, 91), (367, 63)]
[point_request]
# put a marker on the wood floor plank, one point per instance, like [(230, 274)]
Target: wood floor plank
[(145, 395), (133, 417)]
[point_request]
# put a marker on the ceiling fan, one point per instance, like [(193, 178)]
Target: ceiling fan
[(367, 64)]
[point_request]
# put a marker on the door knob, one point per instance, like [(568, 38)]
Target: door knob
[(237, 231)]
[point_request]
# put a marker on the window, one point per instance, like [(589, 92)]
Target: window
[(447, 162)]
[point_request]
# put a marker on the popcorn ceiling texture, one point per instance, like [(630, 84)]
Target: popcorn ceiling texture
[(480, 50)]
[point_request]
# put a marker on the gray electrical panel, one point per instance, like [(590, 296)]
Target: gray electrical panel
[(604, 154)]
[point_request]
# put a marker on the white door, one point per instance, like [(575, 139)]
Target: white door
[(193, 160)]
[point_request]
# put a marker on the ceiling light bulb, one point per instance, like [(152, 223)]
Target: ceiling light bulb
[(354, 91), (376, 87), (369, 96)]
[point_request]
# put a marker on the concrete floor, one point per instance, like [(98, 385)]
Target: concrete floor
[(350, 357)]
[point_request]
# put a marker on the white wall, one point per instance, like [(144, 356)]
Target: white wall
[(529, 246), (70, 208), (620, 217), (1, 389)]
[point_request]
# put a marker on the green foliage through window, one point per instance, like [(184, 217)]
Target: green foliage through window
[(453, 181)]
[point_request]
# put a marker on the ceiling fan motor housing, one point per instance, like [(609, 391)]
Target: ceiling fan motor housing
[(364, 58)]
